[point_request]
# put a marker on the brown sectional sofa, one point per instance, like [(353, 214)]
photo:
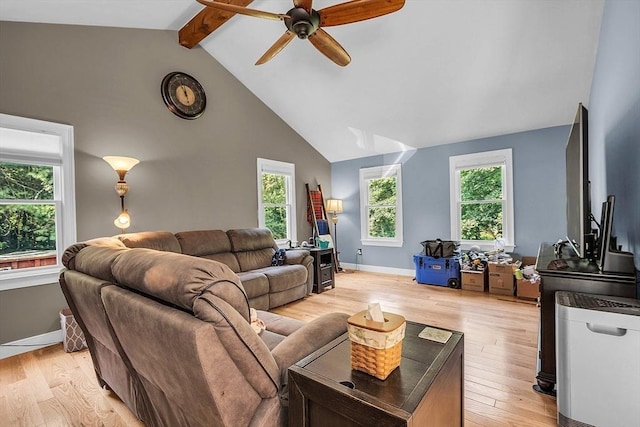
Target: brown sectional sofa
[(170, 333), (247, 252)]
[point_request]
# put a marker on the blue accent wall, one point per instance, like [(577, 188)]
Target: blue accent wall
[(539, 194), (614, 120)]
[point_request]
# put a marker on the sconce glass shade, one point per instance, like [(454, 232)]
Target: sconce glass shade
[(121, 165), (123, 221), (334, 206)]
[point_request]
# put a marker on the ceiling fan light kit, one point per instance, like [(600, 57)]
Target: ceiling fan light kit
[(305, 22), (301, 22)]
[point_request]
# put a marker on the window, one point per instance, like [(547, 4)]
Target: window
[(37, 200), (276, 199), (381, 206), (481, 186)]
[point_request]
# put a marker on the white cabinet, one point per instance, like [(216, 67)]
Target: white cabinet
[(598, 360)]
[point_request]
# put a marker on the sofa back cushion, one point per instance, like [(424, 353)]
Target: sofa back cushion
[(158, 240), (95, 261), (179, 279), (253, 247), (69, 255), (210, 244)]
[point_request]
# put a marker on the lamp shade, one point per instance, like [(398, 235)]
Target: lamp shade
[(123, 221), (119, 163), (334, 206)]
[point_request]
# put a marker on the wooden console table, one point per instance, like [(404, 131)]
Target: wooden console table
[(323, 269), (425, 390)]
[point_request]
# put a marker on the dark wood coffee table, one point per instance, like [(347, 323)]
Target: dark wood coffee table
[(425, 390)]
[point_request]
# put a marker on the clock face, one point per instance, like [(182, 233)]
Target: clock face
[(183, 95)]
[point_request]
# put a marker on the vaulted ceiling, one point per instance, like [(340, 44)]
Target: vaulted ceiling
[(435, 72)]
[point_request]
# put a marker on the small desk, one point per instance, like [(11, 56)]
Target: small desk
[(323, 269), (425, 390)]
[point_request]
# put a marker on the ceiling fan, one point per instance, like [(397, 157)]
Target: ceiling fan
[(306, 23)]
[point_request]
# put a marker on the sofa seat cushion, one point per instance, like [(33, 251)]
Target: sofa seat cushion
[(277, 328), (284, 277), (255, 284), (278, 324), (271, 339)]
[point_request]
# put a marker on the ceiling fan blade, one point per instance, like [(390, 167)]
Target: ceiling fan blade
[(329, 47), (276, 47), (305, 4), (243, 10), (204, 23), (357, 10)]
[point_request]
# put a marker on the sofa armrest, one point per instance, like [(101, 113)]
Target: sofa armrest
[(302, 257), (305, 341), (297, 256)]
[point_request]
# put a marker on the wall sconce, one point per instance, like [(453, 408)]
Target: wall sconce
[(122, 165), (334, 206)]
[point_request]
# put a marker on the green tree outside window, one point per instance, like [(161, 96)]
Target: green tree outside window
[(481, 206), (382, 207), (274, 199), (27, 211)]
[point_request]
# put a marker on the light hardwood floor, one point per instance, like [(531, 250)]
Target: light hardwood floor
[(49, 387)]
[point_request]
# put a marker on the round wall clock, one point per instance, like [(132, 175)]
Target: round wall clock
[(183, 95)]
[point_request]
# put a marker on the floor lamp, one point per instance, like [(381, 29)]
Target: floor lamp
[(334, 207)]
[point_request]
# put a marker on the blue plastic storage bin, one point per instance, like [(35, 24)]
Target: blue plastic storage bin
[(437, 271)]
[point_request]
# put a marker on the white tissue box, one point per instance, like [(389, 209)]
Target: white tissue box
[(376, 347)]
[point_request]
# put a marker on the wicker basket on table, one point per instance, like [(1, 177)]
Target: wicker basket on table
[(376, 347)]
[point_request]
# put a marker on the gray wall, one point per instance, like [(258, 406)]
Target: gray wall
[(193, 174), (539, 194), (614, 121)]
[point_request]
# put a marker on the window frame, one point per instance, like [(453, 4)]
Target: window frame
[(377, 172), (476, 160), (64, 194), (288, 170)]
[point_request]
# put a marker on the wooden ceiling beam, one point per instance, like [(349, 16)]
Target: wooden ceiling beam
[(205, 22)]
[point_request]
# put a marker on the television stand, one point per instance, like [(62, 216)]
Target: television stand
[(571, 275)]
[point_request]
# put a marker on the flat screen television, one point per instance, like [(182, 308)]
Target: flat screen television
[(579, 233)]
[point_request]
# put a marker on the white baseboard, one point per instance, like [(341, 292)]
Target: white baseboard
[(379, 269), (29, 344)]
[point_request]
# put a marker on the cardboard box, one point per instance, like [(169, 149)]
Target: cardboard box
[(501, 278), (474, 280), (494, 267), (526, 289)]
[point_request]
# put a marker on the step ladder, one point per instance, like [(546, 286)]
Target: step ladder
[(317, 217)]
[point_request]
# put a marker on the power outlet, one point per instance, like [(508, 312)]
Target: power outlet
[(359, 251)]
